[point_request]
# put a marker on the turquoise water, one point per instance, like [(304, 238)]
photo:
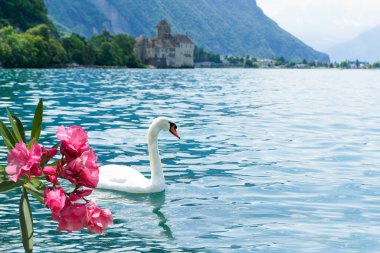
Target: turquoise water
[(269, 160)]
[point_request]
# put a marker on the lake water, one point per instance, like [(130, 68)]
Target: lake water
[(269, 160)]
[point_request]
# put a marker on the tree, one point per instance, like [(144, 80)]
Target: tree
[(115, 50), (32, 49), (109, 55), (24, 14), (6, 31), (97, 40), (344, 65), (75, 47), (58, 53), (90, 53), (376, 65), (37, 48), (126, 44), (200, 55), (41, 48), (40, 30)]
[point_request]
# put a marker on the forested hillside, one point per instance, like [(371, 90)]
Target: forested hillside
[(24, 14), (236, 27)]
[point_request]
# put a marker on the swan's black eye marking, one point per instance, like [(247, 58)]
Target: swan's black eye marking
[(172, 125)]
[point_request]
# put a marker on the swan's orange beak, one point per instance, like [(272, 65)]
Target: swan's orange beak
[(173, 130)]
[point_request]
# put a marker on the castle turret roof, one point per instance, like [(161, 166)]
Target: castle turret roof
[(182, 38), (162, 23)]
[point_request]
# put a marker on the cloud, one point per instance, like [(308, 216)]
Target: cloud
[(323, 23)]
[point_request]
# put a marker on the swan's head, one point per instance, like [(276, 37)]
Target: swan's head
[(166, 124)]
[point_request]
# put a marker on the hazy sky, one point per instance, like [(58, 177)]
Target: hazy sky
[(323, 23)]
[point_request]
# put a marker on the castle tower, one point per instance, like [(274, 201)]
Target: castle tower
[(163, 30)]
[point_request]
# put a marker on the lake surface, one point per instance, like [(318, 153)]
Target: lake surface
[(269, 160)]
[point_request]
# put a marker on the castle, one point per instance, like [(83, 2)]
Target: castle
[(165, 51)]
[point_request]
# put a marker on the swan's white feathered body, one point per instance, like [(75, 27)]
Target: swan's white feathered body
[(127, 179)]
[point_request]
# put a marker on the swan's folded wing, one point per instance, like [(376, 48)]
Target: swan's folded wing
[(120, 175)]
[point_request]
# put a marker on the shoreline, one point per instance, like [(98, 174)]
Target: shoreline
[(118, 67)]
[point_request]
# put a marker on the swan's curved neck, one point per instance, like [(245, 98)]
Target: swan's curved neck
[(157, 175)]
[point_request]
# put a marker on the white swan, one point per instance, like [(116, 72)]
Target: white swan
[(127, 179)]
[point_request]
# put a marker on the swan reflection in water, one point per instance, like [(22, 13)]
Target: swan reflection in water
[(155, 200)]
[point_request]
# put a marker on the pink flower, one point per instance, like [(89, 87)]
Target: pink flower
[(97, 219), (71, 218), (49, 170), (50, 173), (83, 171), (74, 141), (49, 153), (23, 161), (79, 194), (54, 199)]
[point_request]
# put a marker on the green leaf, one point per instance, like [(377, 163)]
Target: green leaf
[(26, 222), (7, 136), (37, 122), (37, 186), (20, 127), (9, 185), (15, 130), (36, 183), (37, 195), (3, 175)]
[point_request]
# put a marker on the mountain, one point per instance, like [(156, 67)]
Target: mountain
[(365, 47), (24, 14), (236, 27)]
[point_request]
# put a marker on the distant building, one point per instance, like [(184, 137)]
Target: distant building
[(165, 51)]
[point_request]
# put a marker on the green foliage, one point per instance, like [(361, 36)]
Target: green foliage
[(126, 43), (8, 186), (36, 48), (250, 64), (57, 52), (344, 64), (41, 30), (7, 31), (37, 123), (26, 222), (290, 64), (24, 14), (200, 55), (15, 129), (104, 50), (114, 50), (109, 54), (8, 138), (376, 65), (20, 127), (75, 47), (233, 60), (32, 49), (36, 188), (279, 61), (34, 185)]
